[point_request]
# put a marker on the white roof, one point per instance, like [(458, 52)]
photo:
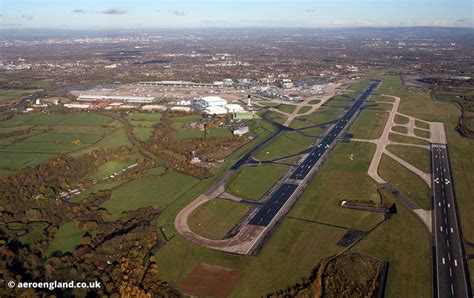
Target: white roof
[(210, 99), (215, 110)]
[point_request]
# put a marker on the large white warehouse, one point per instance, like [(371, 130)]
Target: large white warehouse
[(210, 101)]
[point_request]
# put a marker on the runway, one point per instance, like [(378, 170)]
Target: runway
[(449, 263), (279, 197)]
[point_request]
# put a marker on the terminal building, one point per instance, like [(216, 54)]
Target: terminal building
[(130, 99)]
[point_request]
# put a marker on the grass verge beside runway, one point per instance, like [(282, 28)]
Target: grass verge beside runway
[(252, 182), (287, 108), (341, 178), (418, 157), (290, 253), (404, 242), (369, 124), (216, 217), (405, 181), (406, 139), (286, 143)]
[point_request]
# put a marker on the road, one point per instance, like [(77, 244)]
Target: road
[(452, 278), (279, 197)]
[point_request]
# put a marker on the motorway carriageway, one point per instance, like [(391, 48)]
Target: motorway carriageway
[(279, 197)]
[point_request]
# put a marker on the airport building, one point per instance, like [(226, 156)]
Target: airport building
[(130, 99), (209, 101)]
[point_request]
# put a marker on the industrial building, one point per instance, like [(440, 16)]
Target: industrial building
[(130, 99), (181, 84), (209, 101)]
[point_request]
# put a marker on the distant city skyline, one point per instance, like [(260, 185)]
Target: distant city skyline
[(89, 14)]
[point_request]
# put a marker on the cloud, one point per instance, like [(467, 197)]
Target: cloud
[(463, 20), (113, 11), (310, 11), (80, 11), (178, 13), (28, 18)]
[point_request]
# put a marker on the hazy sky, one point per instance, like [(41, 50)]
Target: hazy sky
[(233, 13)]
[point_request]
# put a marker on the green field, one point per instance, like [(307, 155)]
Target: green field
[(286, 143), (404, 242), (64, 138), (114, 166), (66, 239), (148, 191), (341, 179), (69, 134), (252, 182), (35, 230), (147, 117), (419, 104), (314, 101), (17, 160), (406, 139), (399, 119), (421, 124), (287, 108), (400, 129), (291, 252), (277, 117), (369, 124), (9, 94), (422, 133), (418, 157), (216, 217), (405, 181), (304, 109)]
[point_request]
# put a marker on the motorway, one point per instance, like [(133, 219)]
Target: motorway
[(452, 278), (280, 196)]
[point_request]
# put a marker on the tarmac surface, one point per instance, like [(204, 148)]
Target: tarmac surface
[(278, 198), (449, 260)]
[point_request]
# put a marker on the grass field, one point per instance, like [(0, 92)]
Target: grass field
[(276, 116), (406, 139), (286, 143), (35, 148), (252, 182), (116, 166), (216, 217), (148, 191), (400, 129), (16, 160), (369, 124), (64, 138), (304, 109), (422, 133), (314, 101), (423, 125), (461, 150), (66, 239), (9, 94), (36, 229), (399, 119), (147, 117), (291, 252), (418, 157), (287, 108), (405, 243), (340, 179), (407, 182)]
